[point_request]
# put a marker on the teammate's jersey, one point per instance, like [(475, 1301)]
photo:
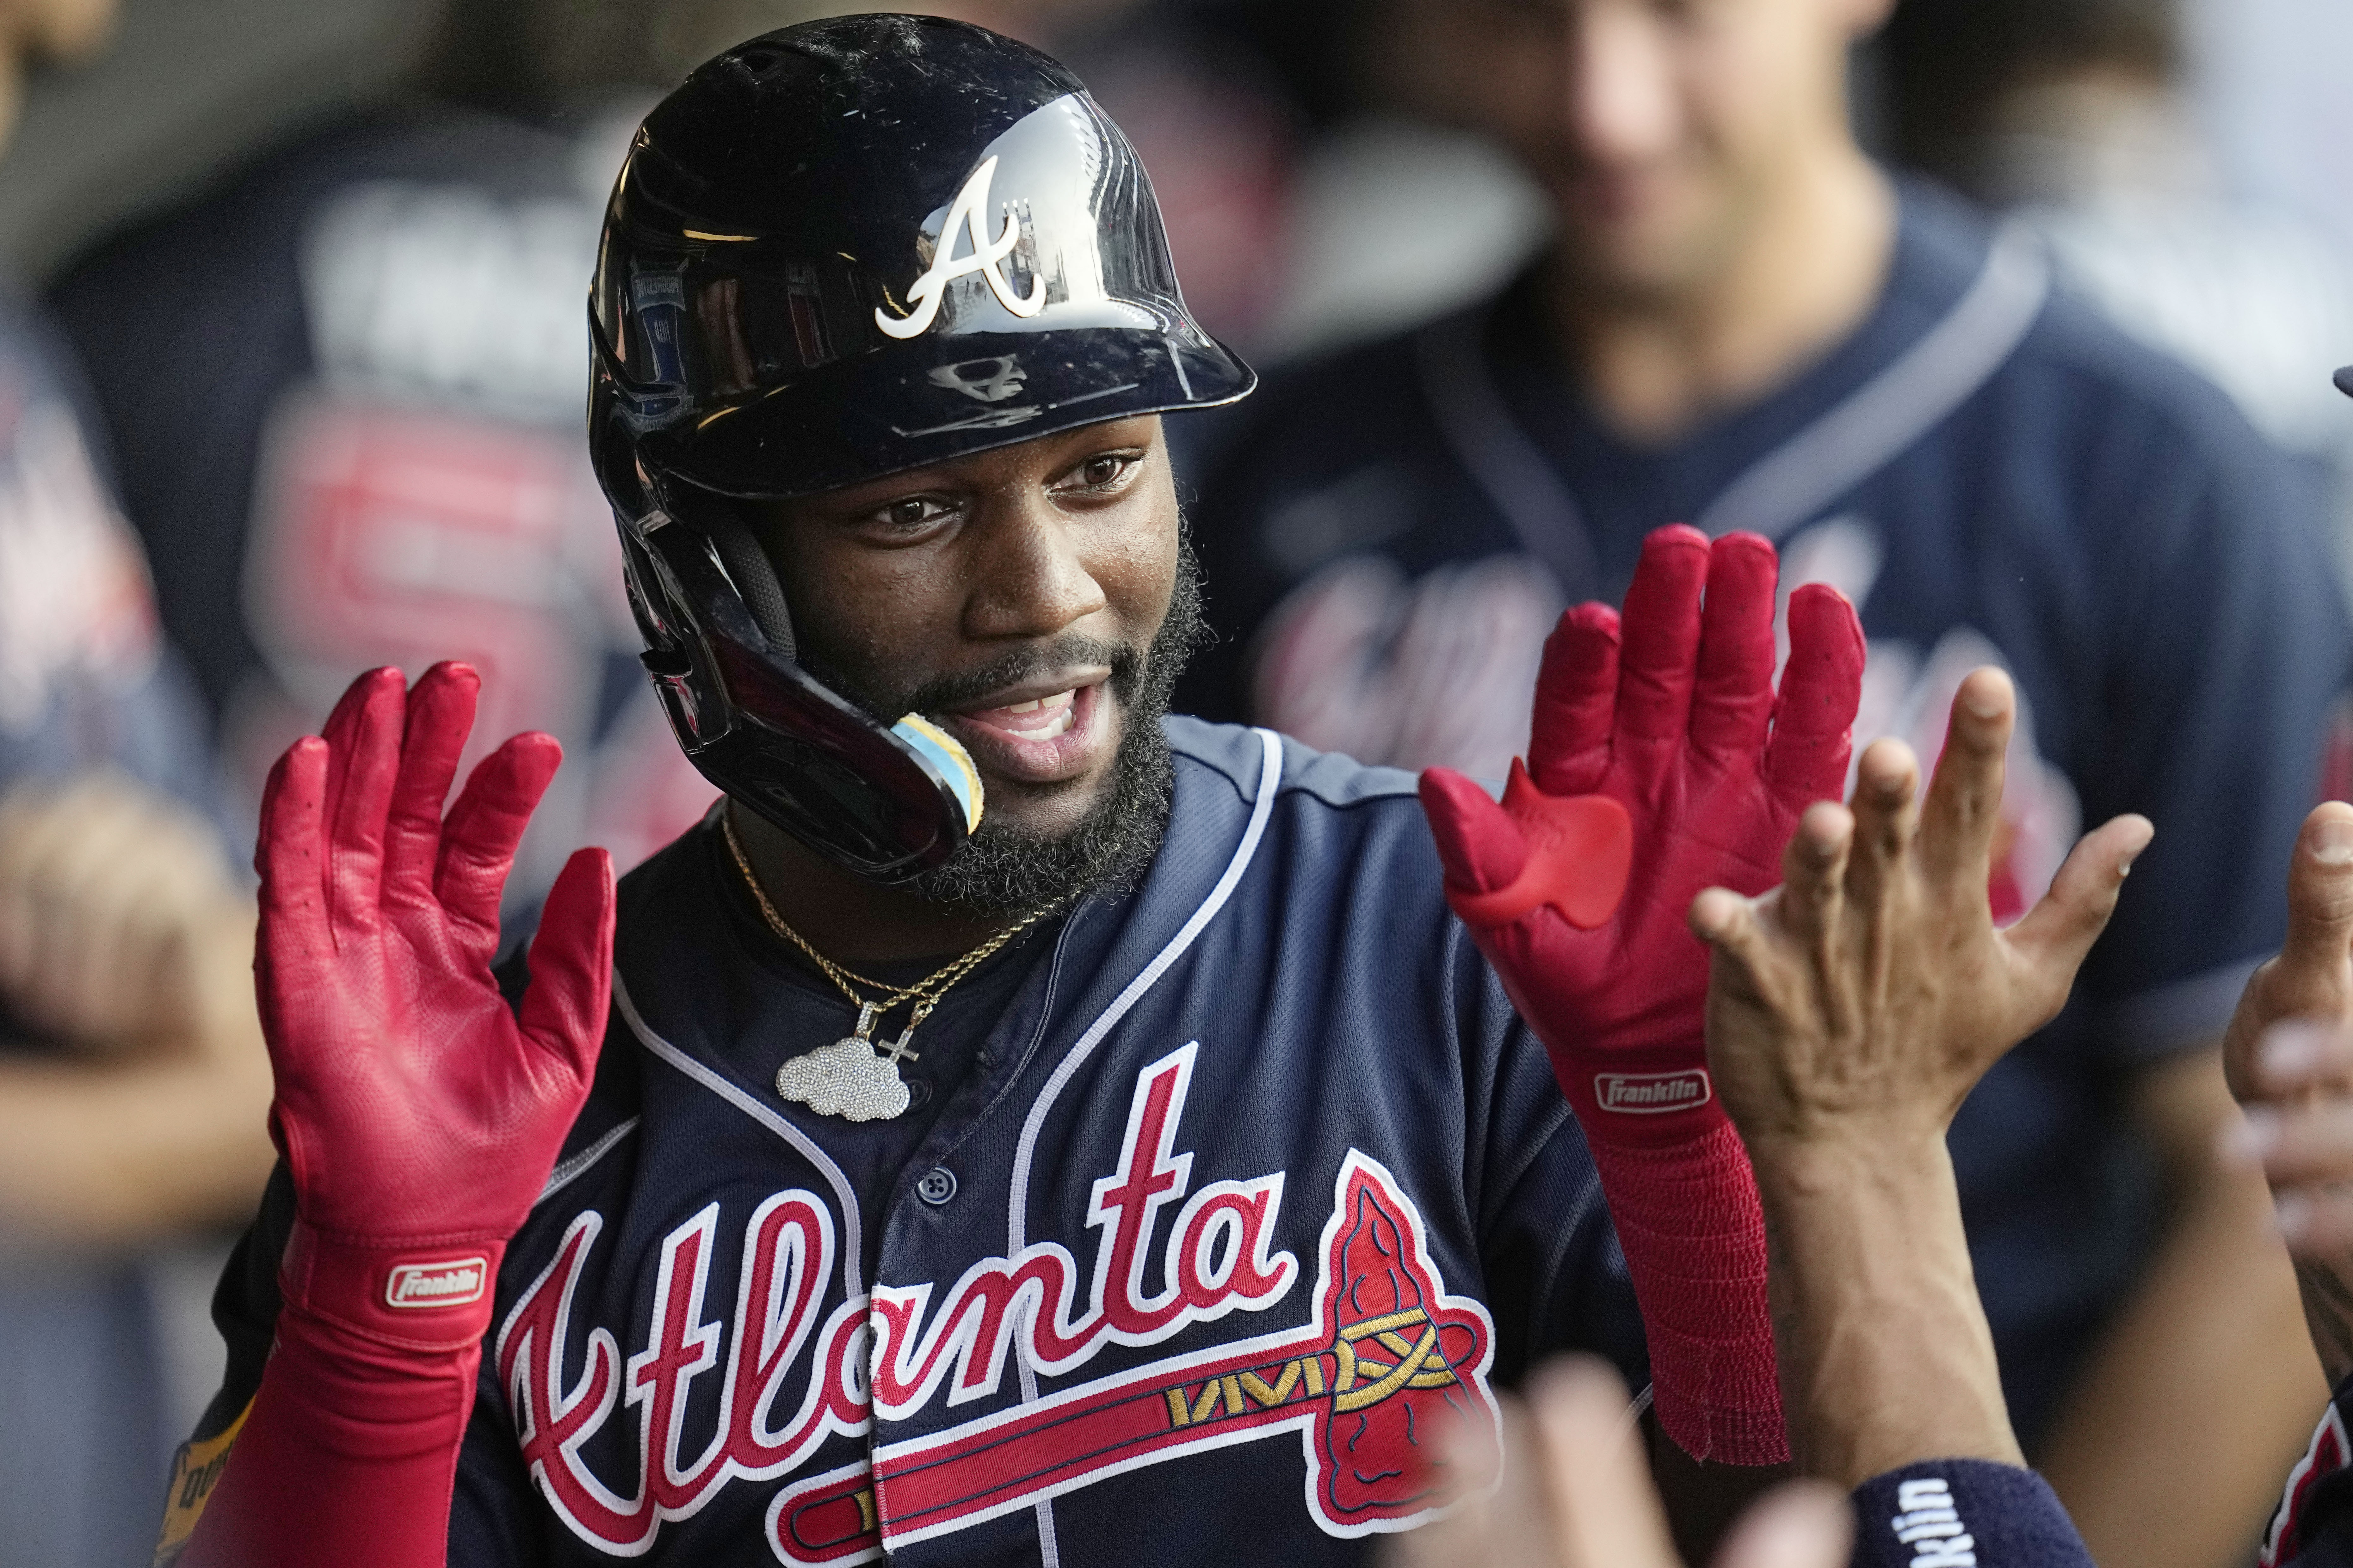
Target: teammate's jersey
[(1255, 1187), (344, 390), (2313, 1526), (85, 678), (1994, 475)]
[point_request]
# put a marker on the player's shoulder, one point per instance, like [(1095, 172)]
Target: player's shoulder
[(2075, 381), (661, 905), (1330, 823), (678, 870), (1247, 759)]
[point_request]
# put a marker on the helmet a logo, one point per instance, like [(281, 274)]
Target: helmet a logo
[(987, 257)]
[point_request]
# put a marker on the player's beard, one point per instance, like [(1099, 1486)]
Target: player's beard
[(1006, 870)]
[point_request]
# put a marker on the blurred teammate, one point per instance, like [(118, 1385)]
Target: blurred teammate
[(377, 328), (132, 1084), (1745, 324)]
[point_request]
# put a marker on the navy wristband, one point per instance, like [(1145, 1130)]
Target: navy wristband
[(1963, 1513)]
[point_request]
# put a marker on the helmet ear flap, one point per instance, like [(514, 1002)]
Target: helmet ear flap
[(754, 575)]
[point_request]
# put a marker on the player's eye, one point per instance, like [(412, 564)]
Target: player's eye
[(1103, 471), (911, 514)]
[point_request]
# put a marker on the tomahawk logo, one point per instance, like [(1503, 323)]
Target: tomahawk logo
[(1650, 1093), (969, 213), (449, 1284), (1387, 1361), (1387, 1364)]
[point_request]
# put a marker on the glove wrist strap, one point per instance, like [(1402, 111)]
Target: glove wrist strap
[(426, 1296)]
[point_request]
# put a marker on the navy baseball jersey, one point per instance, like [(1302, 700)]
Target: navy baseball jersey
[(1246, 1186), (1994, 475)]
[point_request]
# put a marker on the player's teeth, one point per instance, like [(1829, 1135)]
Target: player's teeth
[(1029, 707), (1059, 724)]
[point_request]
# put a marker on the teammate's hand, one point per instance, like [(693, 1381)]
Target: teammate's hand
[(1576, 1493), (119, 919), (2312, 977), (1865, 997), (2288, 1055), (413, 1107), (1850, 1012), (1654, 770), (2299, 1132)]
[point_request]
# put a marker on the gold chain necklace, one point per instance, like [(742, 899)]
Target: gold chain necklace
[(855, 1076)]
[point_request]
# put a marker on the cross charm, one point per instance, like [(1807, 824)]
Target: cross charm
[(899, 1050)]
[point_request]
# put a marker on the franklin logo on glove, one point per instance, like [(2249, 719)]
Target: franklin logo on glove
[(451, 1284), (1647, 1093)]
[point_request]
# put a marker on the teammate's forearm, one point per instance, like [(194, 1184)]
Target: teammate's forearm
[(2211, 1343), (1886, 1359), (113, 1154)]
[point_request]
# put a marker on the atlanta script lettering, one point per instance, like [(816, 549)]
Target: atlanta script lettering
[(1382, 1338)]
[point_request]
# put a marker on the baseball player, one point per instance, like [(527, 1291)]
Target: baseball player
[(1026, 1127)]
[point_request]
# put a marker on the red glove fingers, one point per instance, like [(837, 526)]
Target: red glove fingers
[(479, 842), (1813, 722), (572, 970), (418, 1115), (363, 738), (1732, 701), (1577, 702), (440, 713), (1663, 765), (1659, 634)]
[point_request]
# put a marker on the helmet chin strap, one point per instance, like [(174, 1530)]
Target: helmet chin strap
[(755, 576)]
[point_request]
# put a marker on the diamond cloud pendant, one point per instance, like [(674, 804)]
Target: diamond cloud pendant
[(850, 1077)]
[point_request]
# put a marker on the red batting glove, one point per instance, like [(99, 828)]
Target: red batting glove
[(418, 1116), (1660, 765)]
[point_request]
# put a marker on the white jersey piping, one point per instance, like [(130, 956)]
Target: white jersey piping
[(1518, 480), (1903, 402), (853, 1236), (1869, 428), (1270, 777), (568, 1171)]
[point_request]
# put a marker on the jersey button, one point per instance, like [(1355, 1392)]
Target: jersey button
[(936, 1186)]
